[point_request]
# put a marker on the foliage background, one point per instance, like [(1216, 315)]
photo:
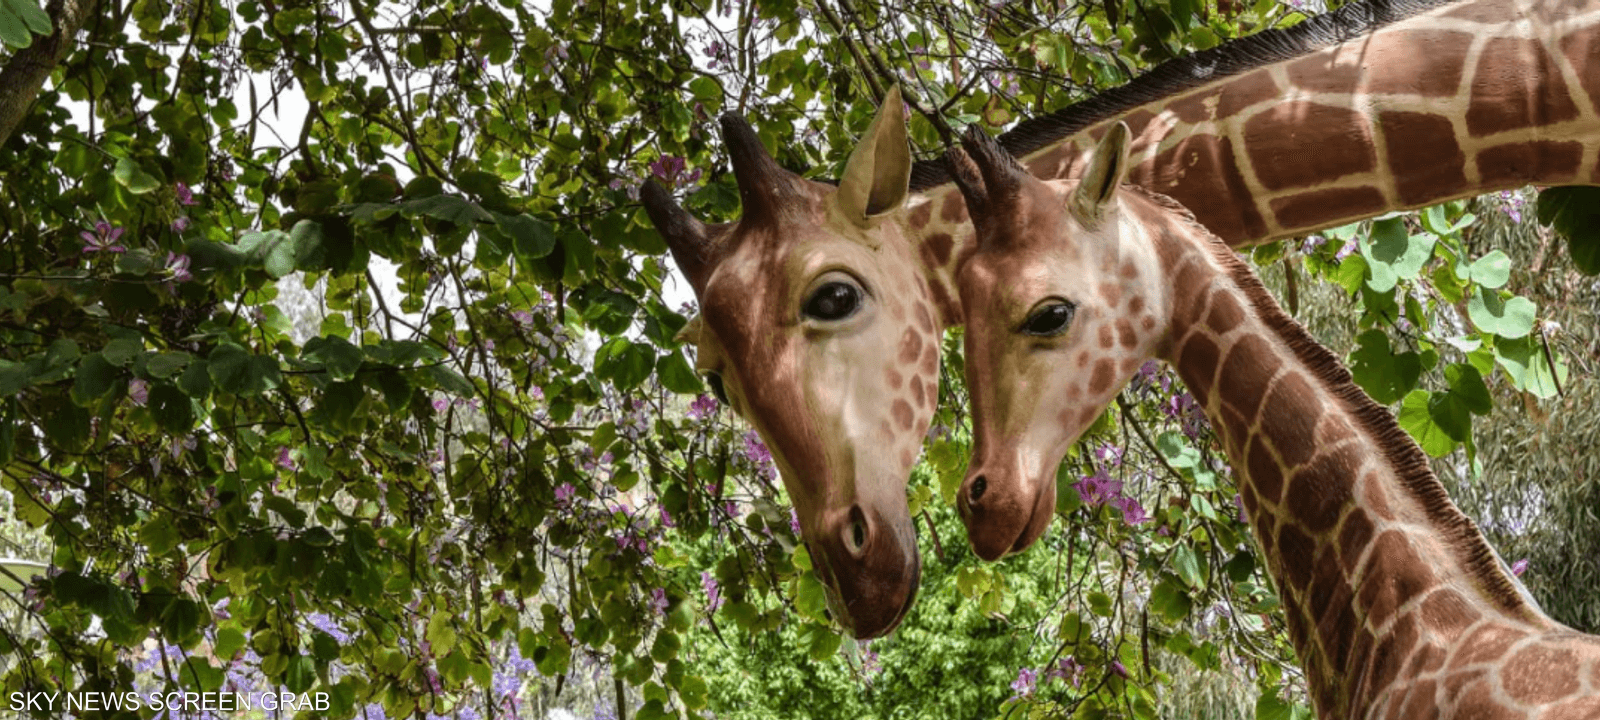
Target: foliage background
[(336, 356)]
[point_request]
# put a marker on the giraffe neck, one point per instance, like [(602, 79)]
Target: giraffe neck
[(1452, 99), (1373, 563), (1458, 100)]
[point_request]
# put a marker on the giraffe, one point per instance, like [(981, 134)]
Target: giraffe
[(795, 298), (1407, 102), (1396, 605), (1375, 107)]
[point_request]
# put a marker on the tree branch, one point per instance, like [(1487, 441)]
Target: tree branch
[(22, 78)]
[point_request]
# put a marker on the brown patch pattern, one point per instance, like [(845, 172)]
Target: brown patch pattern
[(1580, 48), (1516, 85), (1200, 172), (1395, 573), (1447, 614), (1354, 535), (1530, 162), (1320, 208), (1424, 157), (1537, 675), (1320, 492), (910, 346), (1278, 138), (902, 413), (1292, 410)]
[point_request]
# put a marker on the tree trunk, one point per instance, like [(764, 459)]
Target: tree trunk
[(25, 73)]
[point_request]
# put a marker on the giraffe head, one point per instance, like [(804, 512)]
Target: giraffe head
[(803, 302), (1060, 298)]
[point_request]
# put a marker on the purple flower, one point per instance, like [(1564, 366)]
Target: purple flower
[(1067, 669), (1025, 682), (564, 494), (185, 195), (794, 522), (658, 601), (103, 239), (284, 460), (1513, 202), (1238, 501), (672, 170), (327, 624), (181, 224), (1098, 489), (1118, 668), (704, 406), (1344, 252), (1519, 567), (921, 54), (1109, 454), (1312, 242), (1132, 512), (666, 519), (178, 267), (139, 391), (440, 405), (713, 593), (756, 450)]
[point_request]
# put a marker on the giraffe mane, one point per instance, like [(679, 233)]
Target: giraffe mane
[(1410, 464), (1192, 71)]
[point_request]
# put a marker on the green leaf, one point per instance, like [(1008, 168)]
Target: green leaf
[(1386, 375), (531, 238), (234, 371), (164, 365), (196, 379), (131, 176), (1526, 362), (1492, 270), (447, 207), (229, 642), (1511, 318), (341, 358), (122, 351), (451, 381), (820, 641), (676, 375), (1417, 418), (1574, 212), (1188, 566), (441, 634), (159, 534), (624, 363), (1467, 384), (173, 410), (1393, 255), (28, 16), (1269, 707), (1170, 601), (301, 674), (1449, 412), (810, 598), (95, 378)]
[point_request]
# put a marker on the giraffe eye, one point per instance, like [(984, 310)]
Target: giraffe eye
[(1049, 320), (836, 300), (715, 381)]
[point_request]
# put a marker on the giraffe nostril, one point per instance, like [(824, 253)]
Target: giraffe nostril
[(979, 486)]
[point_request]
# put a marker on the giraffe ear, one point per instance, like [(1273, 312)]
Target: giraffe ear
[(878, 175), (691, 331), (691, 244), (1099, 184)]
